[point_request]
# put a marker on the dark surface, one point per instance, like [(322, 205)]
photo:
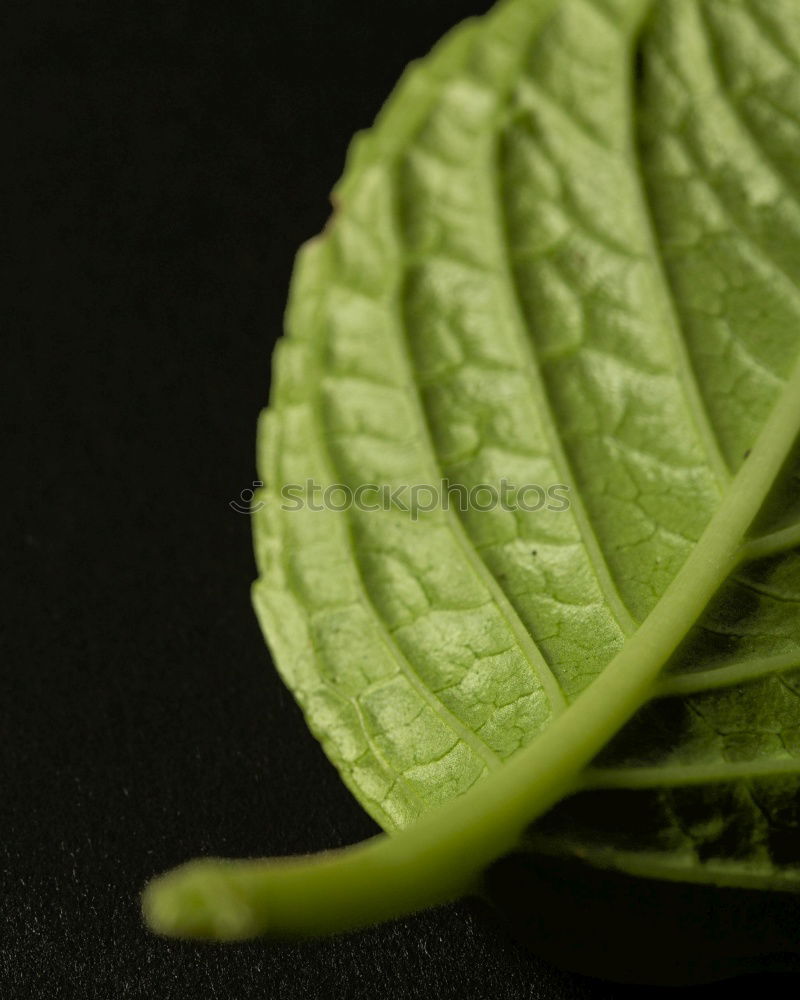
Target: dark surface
[(171, 158), (632, 930)]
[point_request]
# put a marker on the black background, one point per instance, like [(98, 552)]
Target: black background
[(169, 159)]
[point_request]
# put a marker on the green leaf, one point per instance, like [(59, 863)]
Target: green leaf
[(568, 254)]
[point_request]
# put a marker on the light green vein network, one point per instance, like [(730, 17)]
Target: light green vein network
[(568, 252)]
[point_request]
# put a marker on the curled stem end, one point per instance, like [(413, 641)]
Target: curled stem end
[(201, 900)]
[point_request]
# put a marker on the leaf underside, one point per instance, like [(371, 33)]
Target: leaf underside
[(567, 253)]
